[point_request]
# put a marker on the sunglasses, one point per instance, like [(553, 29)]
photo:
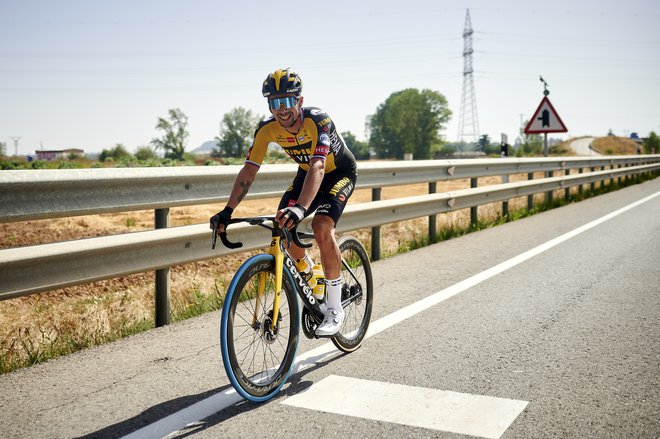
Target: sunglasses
[(287, 102)]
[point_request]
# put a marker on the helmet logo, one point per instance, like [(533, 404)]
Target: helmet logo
[(277, 76)]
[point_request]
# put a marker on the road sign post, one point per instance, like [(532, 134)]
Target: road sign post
[(545, 120)]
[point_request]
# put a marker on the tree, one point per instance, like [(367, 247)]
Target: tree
[(359, 149), (652, 144), (484, 142), (409, 121), (117, 153), (3, 149), (236, 130), (532, 144), (175, 134), (145, 153)]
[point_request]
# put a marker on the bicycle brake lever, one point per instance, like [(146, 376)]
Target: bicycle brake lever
[(287, 237), (214, 237)]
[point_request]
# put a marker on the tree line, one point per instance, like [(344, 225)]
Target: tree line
[(408, 122)]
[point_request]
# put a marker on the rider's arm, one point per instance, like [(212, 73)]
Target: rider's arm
[(244, 180), (242, 185), (312, 182)]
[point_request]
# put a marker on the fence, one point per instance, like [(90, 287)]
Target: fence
[(30, 195)]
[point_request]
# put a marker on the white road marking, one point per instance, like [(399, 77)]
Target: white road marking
[(220, 401), (462, 413)]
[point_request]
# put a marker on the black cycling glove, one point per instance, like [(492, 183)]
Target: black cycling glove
[(295, 213), (222, 217)]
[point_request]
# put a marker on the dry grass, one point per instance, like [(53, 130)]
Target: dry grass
[(42, 326), (613, 145)]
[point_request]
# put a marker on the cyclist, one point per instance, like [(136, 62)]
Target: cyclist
[(324, 182)]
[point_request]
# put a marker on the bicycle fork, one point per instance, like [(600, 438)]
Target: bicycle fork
[(276, 251)]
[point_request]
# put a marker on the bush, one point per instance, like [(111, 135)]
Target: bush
[(117, 153), (69, 165), (145, 153)]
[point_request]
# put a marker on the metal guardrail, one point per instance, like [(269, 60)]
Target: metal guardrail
[(29, 194), (28, 270)]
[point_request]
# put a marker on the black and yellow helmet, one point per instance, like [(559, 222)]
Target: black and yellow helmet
[(281, 82)]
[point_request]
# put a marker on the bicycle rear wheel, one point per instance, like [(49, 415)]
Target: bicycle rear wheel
[(257, 358), (358, 285)]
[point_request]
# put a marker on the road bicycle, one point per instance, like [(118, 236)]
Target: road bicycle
[(262, 318)]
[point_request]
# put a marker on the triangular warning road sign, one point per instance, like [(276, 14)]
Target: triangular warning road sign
[(545, 120)]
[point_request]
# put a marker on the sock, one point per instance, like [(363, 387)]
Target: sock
[(333, 293)]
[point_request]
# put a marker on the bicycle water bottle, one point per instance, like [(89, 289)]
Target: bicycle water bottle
[(306, 272), (319, 289)]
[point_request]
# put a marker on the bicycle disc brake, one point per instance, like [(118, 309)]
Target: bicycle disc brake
[(267, 334)]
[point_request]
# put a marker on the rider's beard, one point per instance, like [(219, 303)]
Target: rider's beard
[(289, 120)]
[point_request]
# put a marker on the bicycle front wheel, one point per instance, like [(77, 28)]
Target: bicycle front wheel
[(357, 288), (256, 353)]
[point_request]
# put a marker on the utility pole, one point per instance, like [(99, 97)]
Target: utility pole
[(468, 126), (15, 139)]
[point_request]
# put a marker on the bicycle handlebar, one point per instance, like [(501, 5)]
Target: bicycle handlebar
[(290, 235)]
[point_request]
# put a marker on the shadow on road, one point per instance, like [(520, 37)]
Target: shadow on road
[(295, 384)]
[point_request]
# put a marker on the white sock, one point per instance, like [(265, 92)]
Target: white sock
[(333, 293)]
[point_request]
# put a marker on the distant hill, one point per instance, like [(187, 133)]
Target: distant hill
[(205, 148)]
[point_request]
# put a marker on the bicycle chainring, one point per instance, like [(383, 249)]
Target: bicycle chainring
[(308, 324)]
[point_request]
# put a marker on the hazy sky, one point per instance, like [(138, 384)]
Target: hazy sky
[(90, 74)]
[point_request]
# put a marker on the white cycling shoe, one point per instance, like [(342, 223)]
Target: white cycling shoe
[(331, 323)]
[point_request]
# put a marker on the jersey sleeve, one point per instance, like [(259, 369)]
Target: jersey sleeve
[(323, 125), (257, 151)]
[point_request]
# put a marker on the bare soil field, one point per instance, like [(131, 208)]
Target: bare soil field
[(42, 326)]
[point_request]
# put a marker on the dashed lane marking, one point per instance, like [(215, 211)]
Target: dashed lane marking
[(462, 413)]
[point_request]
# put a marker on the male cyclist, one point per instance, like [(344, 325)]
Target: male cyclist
[(324, 182)]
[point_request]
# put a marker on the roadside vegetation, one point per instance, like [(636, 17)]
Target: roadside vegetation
[(43, 326)]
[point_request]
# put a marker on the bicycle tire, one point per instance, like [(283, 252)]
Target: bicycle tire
[(258, 360), (358, 313)]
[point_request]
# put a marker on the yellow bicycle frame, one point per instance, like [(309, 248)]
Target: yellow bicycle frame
[(277, 252)]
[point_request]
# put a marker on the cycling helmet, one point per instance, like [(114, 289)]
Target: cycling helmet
[(282, 81)]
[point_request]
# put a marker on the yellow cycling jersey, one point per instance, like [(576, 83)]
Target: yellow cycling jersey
[(317, 137)]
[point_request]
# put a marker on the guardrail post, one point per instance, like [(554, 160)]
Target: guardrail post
[(530, 198), (548, 195), (567, 191), (580, 187), (593, 183), (433, 188), (473, 210), (162, 221), (505, 204), (375, 231)]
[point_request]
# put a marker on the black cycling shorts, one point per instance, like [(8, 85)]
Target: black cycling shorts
[(336, 188)]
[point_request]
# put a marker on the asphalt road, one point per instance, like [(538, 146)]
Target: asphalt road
[(583, 147), (558, 313)]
